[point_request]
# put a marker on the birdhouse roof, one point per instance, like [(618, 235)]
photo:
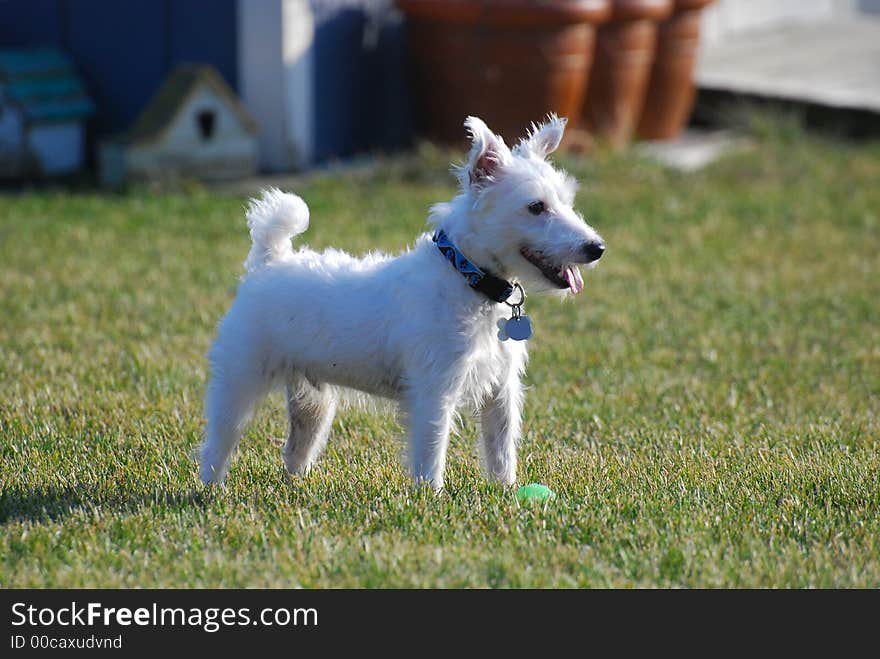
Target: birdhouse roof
[(44, 84), (172, 96)]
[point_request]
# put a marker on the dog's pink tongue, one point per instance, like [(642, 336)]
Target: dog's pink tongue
[(574, 279)]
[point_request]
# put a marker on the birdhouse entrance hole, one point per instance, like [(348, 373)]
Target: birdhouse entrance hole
[(206, 120)]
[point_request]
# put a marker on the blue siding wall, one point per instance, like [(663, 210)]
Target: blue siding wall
[(125, 48), (30, 22), (205, 31), (123, 65)]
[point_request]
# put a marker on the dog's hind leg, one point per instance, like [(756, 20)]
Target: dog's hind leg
[(310, 409), (500, 421), (229, 406)]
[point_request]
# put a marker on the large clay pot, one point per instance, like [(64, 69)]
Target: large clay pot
[(671, 92), (622, 67), (510, 62)]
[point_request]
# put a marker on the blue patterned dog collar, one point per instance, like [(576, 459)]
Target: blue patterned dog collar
[(494, 288)]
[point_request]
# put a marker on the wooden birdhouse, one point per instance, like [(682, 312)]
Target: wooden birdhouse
[(43, 108), (194, 127)]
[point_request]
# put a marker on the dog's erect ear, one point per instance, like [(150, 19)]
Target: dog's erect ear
[(488, 153), (544, 139)]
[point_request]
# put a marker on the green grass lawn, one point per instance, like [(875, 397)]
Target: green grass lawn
[(707, 410)]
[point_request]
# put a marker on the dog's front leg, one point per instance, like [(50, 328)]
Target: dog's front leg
[(501, 422), (429, 419)]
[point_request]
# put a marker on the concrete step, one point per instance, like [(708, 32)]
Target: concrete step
[(834, 63)]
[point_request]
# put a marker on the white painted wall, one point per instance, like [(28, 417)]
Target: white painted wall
[(275, 72), (298, 58)]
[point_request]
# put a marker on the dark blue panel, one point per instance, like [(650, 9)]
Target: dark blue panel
[(390, 127), (121, 50), (205, 31), (30, 23), (361, 96), (339, 73)]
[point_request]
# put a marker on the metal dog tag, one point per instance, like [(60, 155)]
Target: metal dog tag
[(518, 328)]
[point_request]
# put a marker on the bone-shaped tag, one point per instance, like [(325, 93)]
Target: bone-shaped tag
[(518, 328)]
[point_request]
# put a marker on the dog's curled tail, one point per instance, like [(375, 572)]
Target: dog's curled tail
[(273, 220)]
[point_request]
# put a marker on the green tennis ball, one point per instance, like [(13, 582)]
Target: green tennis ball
[(535, 492)]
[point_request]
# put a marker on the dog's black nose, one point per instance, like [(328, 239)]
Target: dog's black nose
[(593, 249)]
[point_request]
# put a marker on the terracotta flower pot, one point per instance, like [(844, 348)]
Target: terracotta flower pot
[(510, 62), (622, 67), (671, 92)]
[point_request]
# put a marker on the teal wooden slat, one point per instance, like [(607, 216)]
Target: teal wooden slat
[(40, 61), (59, 110), (36, 88)]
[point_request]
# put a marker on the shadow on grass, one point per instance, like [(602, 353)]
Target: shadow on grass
[(44, 503)]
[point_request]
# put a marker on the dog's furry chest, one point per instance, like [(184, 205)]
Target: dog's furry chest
[(488, 361)]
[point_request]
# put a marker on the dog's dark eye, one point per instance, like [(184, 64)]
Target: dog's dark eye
[(536, 207)]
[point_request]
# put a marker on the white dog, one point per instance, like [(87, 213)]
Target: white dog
[(437, 326)]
